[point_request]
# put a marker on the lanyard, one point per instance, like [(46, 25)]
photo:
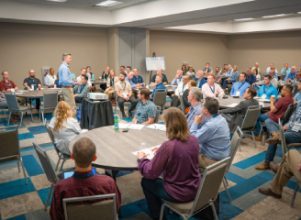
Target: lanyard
[(212, 90), (241, 85)]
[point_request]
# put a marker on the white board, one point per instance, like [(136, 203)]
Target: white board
[(155, 63)]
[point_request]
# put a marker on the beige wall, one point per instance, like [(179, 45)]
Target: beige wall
[(194, 48), (265, 48), (25, 46)]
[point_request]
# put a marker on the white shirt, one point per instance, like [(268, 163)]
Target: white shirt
[(215, 91), (181, 88), (49, 80)]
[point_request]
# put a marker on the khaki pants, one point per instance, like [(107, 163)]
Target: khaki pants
[(69, 97), (289, 167), (205, 161)]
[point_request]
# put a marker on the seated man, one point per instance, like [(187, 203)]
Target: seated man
[(81, 90), (159, 86), (146, 110), (129, 78), (84, 182), (291, 75), (290, 166), (267, 89), (178, 78), (213, 134), (181, 88), (200, 79), (212, 89), (292, 134), (239, 88), (6, 84), (297, 96), (83, 72), (235, 115), (124, 94), (163, 76), (137, 79), (31, 82), (194, 98), (251, 76)]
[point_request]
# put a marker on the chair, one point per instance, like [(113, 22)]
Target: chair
[(160, 99), (62, 157), (249, 122), (288, 113), (13, 106), (91, 207), (235, 141), (48, 169), (50, 100), (285, 149), (10, 148), (206, 194)]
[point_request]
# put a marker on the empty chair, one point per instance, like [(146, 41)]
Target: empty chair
[(160, 99), (235, 141), (13, 106), (249, 122), (207, 192), (48, 169), (10, 148), (91, 207), (50, 100)]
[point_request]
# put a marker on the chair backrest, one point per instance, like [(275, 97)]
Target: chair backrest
[(50, 100), (45, 162), (235, 141), (50, 133), (9, 146), (288, 113), (11, 101), (210, 184), (157, 115), (250, 118), (160, 98), (91, 207)]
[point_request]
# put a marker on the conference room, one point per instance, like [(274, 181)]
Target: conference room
[(150, 109)]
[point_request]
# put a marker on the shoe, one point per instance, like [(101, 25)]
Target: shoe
[(263, 166), (269, 192), (274, 167), (273, 141)]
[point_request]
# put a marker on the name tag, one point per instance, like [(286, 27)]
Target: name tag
[(264, 96), (124, 94), (238, 93), (296, 127)]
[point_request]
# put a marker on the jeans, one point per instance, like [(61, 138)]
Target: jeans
[(154, 193), (290, 137), (121, 102), (271, 125), (261, 118)]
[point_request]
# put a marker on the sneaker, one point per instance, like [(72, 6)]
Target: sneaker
[(269, 192), (263, 166), (275, 139)]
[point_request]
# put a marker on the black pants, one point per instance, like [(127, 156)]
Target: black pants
[(154, 193), (121, 102)]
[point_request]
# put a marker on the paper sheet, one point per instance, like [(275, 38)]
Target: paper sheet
[(149, 152), (160, 127), (130, 126)]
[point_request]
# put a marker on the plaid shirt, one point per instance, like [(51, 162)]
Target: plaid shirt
[(144, 111)]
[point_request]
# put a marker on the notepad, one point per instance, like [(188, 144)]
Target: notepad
[(149, 152), (160, 127), (130, 126)]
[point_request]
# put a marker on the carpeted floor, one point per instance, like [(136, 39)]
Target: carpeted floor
[(19, 200)]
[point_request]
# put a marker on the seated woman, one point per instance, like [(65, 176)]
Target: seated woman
[(64, 126), (176, 161)]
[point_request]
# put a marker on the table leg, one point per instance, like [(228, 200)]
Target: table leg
[(112, 173)]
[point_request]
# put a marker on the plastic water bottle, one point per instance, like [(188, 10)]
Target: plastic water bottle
[(116, 122)]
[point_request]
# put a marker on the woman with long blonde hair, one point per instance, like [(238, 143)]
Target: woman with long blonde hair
[(64, 126)]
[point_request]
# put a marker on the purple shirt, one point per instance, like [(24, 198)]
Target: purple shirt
[(178, 163)]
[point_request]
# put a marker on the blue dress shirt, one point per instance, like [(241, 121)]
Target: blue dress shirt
[(214, 137), (240, 87), (267, 90), (137, 79), (298, 97), (201, 82), (290, 76), (65, 76), (251, 79), (194, 111)]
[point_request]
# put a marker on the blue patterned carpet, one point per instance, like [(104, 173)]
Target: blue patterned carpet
[(244, 181)]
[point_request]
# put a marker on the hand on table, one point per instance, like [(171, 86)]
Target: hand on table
[(141, 155)]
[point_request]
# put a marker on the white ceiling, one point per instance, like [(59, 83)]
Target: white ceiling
[(183, 15)]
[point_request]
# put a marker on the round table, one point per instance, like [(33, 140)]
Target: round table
[(35, 93), (232, 102), (115, 149)]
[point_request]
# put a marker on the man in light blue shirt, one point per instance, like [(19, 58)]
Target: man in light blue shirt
[(285, 70), (292, 74), (213, 135), (267, 89), (194, 98), (66, 79), (297, 96), (240, 87)]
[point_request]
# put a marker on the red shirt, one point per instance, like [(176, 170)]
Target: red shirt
[(281, 106), (81, 185), (7, 85)]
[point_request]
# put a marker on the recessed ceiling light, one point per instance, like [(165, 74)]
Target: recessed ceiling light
[(56, 0), (108, 3), (244, 19), (274, 16)]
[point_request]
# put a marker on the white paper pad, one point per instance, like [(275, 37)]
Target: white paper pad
[(160, 127), (149, 152), (130, 126)]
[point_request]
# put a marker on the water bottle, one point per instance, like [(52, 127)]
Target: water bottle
[(116, 122)]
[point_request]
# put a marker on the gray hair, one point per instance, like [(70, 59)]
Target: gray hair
[(197, 93)]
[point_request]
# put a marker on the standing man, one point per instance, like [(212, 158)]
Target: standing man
[(66, 79), (6, 84)]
